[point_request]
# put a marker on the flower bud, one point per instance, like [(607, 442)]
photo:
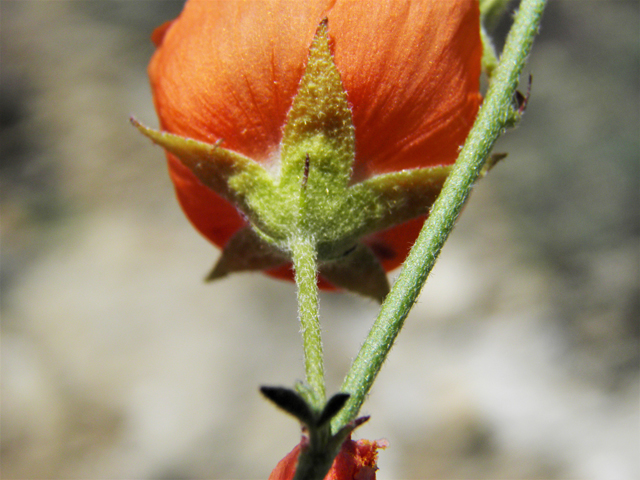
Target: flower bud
[(332, 120)]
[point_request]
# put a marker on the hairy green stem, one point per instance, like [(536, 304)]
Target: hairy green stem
[(304, 255), (495, 113)]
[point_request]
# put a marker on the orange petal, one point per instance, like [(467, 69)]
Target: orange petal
[(411, 71), (230, 70), (286, 467), (412, 75)]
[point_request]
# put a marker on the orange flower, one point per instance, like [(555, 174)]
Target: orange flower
[(356, 461), (229, 70)]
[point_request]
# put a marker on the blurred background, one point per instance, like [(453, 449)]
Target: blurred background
[(519, 361)]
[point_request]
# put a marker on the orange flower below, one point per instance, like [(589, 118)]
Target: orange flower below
[(356, 461)]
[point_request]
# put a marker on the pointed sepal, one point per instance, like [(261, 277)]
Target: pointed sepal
[(394, 198), (291, 402), (294, 403), (358, 271), (227, 173), (246, 251), (332, 407), (319, 137)]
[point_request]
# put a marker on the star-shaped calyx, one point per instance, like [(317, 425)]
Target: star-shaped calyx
[(311, 194)]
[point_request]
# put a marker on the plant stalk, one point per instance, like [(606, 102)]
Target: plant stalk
[(305, 263), (492, 119)]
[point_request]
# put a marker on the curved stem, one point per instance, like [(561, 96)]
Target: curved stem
[(495, 114), (304, 255)]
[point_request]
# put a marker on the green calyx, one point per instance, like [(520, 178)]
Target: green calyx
[(310, 196)]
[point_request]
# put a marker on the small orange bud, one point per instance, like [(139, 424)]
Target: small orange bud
[(356, 461)]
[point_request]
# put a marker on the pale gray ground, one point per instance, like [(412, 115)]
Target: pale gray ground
[(520, 360)]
